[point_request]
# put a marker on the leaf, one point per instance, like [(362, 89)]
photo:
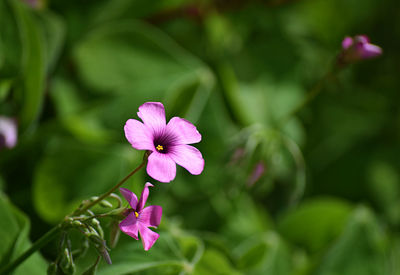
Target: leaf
[(129, 257), (214, 262), (360, 250), (80, 121), (14, 233), (33, 63), (139, 63), (316, 222), (245, 218), (72, 171), (54, 33), (264, 254), (126, 56), (10, 46)]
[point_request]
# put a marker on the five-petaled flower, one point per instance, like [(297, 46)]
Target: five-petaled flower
[(140, 218), (168, 143), (358, 48)]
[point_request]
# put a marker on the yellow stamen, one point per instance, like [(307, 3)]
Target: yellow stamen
[(136, 214), (159, 148)]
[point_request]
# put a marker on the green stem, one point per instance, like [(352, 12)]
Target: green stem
[(105, 195), (55, 230), (36, 246), (316, 90)]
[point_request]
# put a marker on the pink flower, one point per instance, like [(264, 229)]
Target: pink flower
[(168, 143), (256, 174), (358, 48), (8, 132), (139, 219)]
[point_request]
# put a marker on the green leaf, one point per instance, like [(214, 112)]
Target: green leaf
[(5, 86), (383, 182), (82, 122), (129, 257), (14, 233), (127, 56), (361, 249), (264, 254), (33, 63), (314, 224), (214, 262), (54, 35), (72, 171), (139, 63), (10, 45), (245, 218)]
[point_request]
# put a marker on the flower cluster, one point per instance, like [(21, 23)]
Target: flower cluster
[(357, 48), (166, 145)]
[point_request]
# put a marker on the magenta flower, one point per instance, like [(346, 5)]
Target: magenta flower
[(139, 219), (168, 143), (358, 48), (256, 174), (8, 132)]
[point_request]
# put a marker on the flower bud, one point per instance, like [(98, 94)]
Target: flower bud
[(357, 48), (106, 204), (8, 132)]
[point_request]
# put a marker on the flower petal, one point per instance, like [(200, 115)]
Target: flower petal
[(138, 135), (347, 42), (189, 158), (130, 226), (161, 167), (362, 38), (143, 197), (153, 116), (370, 51), (151, 215), (184, 130), (130, 197), (148, 237)]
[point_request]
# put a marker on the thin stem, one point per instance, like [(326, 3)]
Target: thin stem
[(112, 212), (310, 96), (36, 246), (105, 195), (55, 230)]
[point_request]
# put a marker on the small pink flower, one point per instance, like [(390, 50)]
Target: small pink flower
[(256, 174), (168, 143), (358, 48), (8, 132), (139, 219)]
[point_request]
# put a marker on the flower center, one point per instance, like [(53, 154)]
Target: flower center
[(136, 214), (164, 142)]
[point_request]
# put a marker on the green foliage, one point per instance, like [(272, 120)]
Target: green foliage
[(14, 233), (317, 222), (327, 203)]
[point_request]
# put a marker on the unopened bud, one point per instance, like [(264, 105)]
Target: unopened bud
[(106, 256), (357, 48), (77, 223), (106, 204)]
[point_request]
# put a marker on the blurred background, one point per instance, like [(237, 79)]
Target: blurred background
[(286, 189)]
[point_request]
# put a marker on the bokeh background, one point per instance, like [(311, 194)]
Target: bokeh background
[(309, 192)]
